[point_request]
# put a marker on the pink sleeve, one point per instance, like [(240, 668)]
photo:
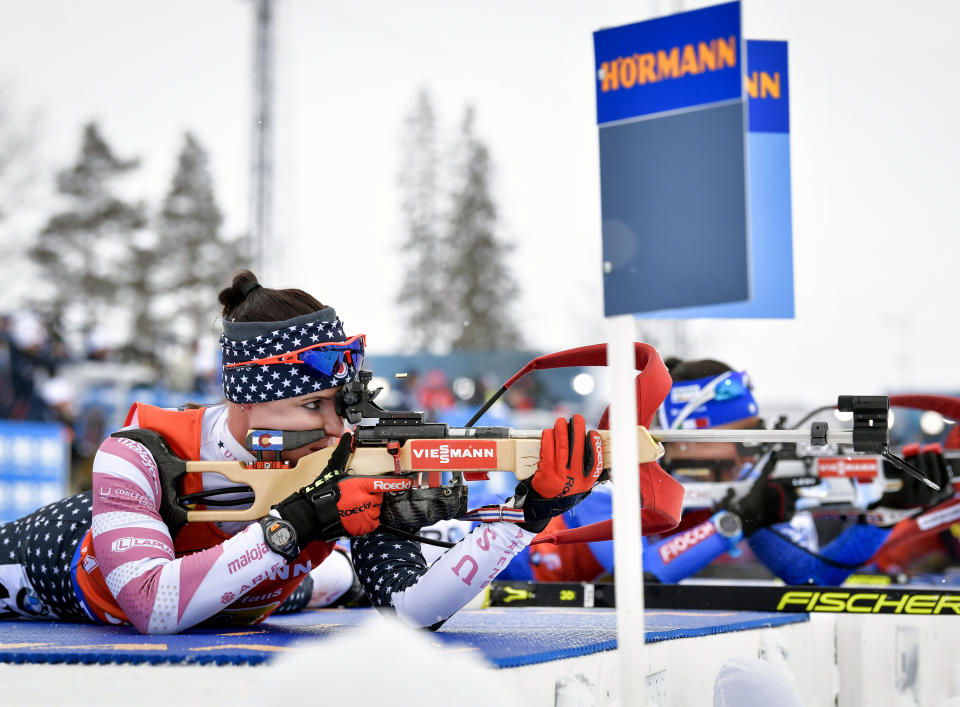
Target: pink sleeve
[(158, 593)]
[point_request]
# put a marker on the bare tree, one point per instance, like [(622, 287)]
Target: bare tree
[(18, 171)]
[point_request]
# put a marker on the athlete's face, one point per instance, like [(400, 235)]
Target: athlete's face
[(307, 412), (708, 461), (703, 461)]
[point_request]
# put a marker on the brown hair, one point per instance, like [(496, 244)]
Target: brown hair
[(692, 370), (245, 300)]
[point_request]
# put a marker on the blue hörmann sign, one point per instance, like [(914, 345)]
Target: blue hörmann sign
[(672, 126), (768, 169)]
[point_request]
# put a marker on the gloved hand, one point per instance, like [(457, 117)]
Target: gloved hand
[(571, 461), (913, 494), (768, 501), (336, 505)]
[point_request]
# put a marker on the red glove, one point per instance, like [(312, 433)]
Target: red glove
[(360, 500), (568, 466)]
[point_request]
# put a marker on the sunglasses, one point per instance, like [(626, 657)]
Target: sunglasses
[(731, 387), (326, 358), (699, 469)]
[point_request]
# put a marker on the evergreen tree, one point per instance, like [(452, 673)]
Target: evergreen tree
[(196, 260), (79, 249), (140, 271), (481, 288), (422, 297)]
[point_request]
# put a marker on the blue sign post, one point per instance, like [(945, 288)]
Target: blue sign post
[(679, 231)]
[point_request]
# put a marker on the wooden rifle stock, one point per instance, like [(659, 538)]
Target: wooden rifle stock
[(473, 454)]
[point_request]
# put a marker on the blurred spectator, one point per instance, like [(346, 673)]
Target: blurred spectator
[(26, 360), (98, 345), (435, 395), (206, 372), (6, 373), (408, 389), (527, 394), (180, 371)]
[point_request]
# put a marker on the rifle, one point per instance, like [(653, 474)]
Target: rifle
[(869, 436), (399, 442), (841, 476)]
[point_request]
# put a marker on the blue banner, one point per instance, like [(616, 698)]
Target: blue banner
[(34, 466), (669, 63), (768, 169), (768, 87)]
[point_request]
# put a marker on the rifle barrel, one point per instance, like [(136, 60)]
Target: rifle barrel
[(704, 435), (747, 436)]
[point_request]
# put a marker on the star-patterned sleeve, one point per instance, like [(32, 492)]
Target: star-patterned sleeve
[(36, 551), (395, 575), (158, 593)]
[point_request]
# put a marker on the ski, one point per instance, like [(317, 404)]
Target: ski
[(918, 600)]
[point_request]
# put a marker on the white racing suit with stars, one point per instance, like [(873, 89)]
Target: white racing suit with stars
[(162, 593), (394, 573)]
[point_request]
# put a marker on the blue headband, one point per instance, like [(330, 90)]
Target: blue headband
[(257, 381), (709, 402)]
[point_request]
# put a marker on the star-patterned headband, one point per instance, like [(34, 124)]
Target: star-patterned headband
[(265, 361)]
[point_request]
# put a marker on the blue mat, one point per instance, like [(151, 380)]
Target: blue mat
[(505, 637)]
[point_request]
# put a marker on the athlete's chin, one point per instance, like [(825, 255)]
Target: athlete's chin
[(295, 455)]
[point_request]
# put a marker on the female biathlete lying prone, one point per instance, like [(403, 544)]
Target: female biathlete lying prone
[(117, 554)]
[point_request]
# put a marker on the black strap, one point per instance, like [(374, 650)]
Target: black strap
[(537, 510), (313, 513), (170, 468)]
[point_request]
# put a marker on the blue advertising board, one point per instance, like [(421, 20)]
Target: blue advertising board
[(34, 466), (672, 130), (768, 86), (670, 63), (770, 212)]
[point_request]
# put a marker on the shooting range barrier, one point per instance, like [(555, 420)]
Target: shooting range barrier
[(851, 658), (34, 466)]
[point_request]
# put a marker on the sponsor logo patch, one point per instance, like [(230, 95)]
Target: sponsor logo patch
[(859, 469), (935, 518), (124, 544), (391, 484), (246, 558), (431, 454), (124, 493), (358, 509), (682, 542)]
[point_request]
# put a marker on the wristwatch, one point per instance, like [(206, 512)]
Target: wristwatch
[(280, 537)]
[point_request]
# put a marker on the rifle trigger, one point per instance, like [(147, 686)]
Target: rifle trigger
[(394, 450)]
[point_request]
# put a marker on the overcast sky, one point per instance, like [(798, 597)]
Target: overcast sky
[(875, 156)]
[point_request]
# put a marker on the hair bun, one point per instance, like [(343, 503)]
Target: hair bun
[(233, 296)]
